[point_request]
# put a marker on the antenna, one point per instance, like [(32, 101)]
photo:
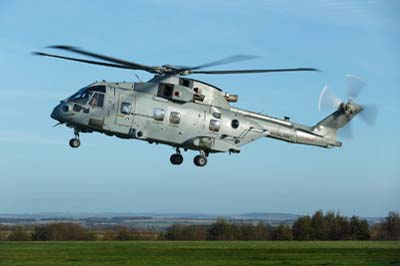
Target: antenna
[(138, 78)]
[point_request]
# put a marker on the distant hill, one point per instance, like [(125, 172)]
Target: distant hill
[(154, 221), (267, 216)]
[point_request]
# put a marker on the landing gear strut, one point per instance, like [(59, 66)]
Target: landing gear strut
[(200, 160), (176, 158), (75, 142)]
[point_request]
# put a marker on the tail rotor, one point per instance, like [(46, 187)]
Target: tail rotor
[(328, 101)]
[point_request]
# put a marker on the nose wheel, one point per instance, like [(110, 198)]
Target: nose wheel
[(176, 158), (75, 142)]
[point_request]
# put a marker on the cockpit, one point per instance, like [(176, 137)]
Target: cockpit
[(90, 99), (92, 96)]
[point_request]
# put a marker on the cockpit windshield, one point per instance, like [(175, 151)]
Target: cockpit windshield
[(83, 95)]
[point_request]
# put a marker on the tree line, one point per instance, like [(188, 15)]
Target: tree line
[(68, 231), (319, 226)]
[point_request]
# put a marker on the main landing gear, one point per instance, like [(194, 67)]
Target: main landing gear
[(199, 160), (75, 142), (176, 158)]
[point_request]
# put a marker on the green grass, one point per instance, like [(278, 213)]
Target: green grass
[(200, 253)]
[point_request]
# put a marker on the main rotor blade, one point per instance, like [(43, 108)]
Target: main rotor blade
[(251, 71), (82, 60), (224, 61), (131, 65), (354, 86)]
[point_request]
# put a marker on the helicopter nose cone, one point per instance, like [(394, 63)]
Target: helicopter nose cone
[(56, 113), (59, 112)]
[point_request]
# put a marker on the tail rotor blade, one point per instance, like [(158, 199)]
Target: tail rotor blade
[(328, 101), (369, 114), (354, 86), (346, 132)]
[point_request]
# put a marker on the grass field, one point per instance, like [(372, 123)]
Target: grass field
[(200, 253)]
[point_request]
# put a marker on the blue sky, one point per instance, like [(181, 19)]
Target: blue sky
[(40, 173)]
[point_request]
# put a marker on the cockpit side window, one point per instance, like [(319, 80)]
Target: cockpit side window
[(97, 100)]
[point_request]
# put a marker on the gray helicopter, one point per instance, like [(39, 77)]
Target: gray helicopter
[(189, 114)]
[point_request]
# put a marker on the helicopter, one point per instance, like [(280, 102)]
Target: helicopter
[(189, 114)]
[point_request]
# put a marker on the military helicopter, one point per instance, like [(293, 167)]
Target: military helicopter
[(186, 113)]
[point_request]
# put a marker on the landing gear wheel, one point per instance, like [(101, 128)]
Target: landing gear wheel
[(176, 159), (200, 160), (74, 143)]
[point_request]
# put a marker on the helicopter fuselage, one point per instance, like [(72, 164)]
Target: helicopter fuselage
[(180, 112), (188, 113)]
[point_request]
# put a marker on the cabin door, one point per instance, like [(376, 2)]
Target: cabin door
[(125, 111)]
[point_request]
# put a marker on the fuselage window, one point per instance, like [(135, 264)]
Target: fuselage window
[(235, 123), (214, 125), (216, 115), (168, 89), (174, 118), (158, 114), (126, 108), (184, 82), (165, 90), (97, 100)]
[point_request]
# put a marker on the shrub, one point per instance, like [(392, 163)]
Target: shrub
[(19, 234)]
